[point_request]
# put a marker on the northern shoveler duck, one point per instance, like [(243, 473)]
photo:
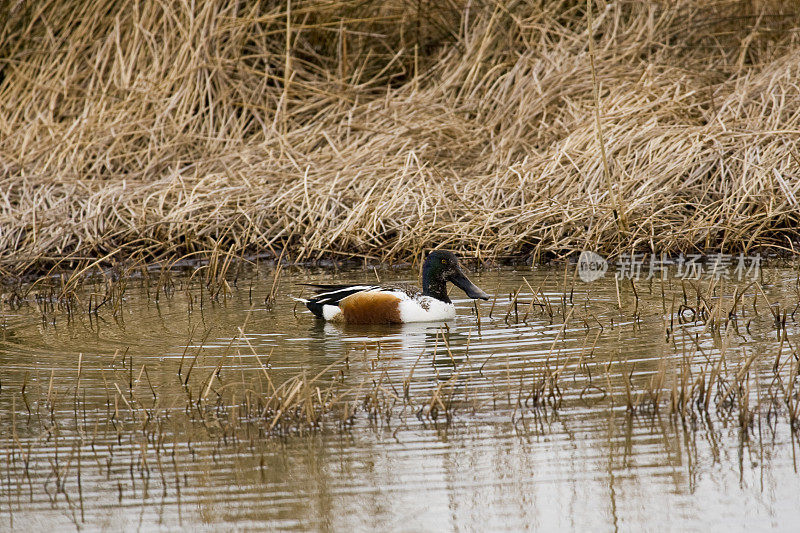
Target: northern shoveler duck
[(397, 303)]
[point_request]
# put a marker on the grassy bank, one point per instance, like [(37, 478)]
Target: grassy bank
[(156, 130)]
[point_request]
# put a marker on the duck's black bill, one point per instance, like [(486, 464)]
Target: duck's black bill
[(460, 280)]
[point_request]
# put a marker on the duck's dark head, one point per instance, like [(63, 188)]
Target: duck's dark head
[(439, 268)]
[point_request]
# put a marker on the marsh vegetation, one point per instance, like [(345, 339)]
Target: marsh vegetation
[(365, 128)]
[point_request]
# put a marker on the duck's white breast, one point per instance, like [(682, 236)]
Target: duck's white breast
[(425, 309)]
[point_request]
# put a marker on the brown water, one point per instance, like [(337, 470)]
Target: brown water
[(490, 453)]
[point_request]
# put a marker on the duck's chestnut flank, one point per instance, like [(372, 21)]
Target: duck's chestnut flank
[(370, 307)]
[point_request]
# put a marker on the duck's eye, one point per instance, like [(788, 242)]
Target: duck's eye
[(444, 261)]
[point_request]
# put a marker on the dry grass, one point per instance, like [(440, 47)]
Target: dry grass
[(166, 129)]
